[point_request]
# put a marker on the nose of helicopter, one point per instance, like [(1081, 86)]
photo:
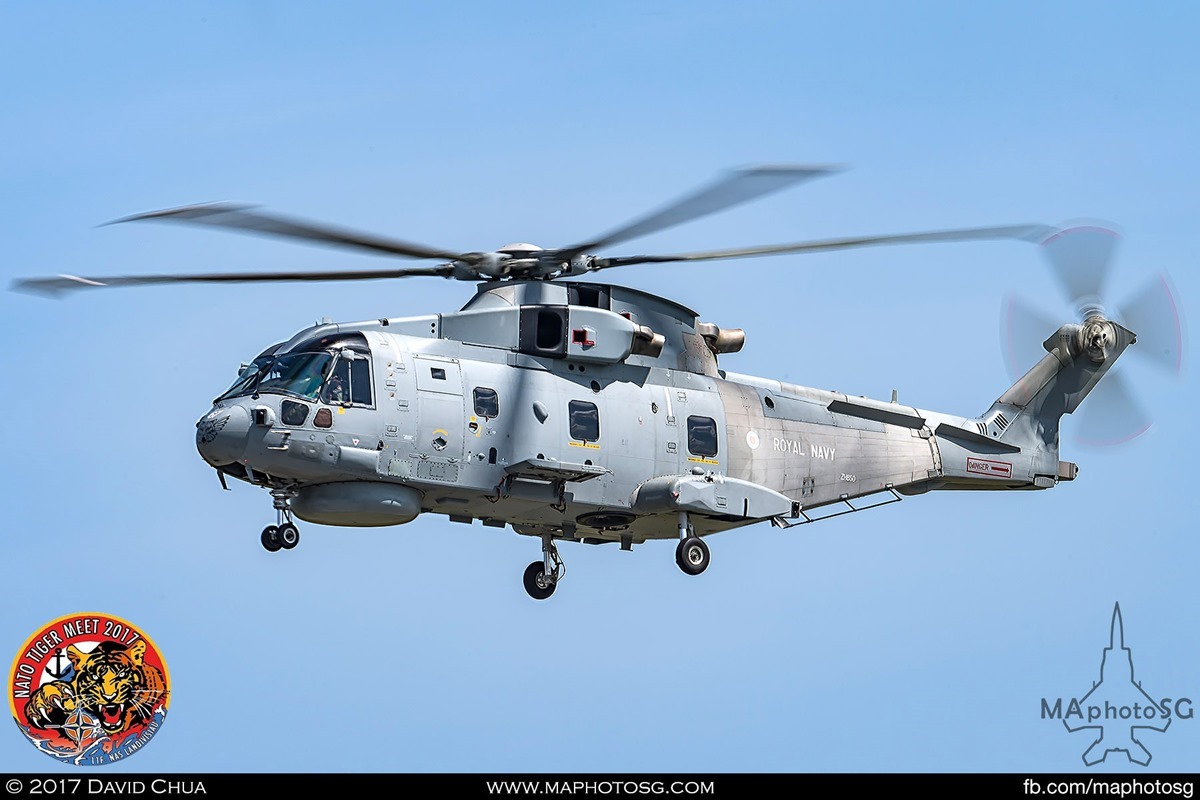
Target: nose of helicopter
[(221, 435)]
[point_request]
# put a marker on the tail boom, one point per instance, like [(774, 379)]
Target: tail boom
[(1015, 444)]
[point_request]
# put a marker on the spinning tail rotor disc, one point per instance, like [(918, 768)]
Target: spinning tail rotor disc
[(1081, 260)]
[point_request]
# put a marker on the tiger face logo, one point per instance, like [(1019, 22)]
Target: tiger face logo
[(89, 689)]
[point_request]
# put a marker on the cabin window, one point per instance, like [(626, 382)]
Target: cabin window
[(584, 420), (702, 436), (487, 402)]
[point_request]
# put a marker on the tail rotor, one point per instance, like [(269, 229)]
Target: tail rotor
[(1081, 261)]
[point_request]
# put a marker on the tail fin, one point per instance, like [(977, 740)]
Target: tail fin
[(1077, 357)]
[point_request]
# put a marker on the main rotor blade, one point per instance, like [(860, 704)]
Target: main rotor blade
[(1029, 233), (239, 217), (1153, 314), (738, 187), (1081, 259), (57, 286)]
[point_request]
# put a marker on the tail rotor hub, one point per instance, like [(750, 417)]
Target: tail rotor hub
[(1096, 335)]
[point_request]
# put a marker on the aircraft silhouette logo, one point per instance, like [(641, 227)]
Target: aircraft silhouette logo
[(1117, 710)]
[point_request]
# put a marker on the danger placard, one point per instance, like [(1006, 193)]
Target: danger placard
[(994, 469)]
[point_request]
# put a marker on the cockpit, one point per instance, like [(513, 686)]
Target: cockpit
[(334, 369)]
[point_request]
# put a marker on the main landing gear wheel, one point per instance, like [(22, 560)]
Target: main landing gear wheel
[(289, 536), (692, 555), (271, 540), (536, 583)]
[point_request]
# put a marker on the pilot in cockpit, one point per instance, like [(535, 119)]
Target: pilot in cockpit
[(335, 390)]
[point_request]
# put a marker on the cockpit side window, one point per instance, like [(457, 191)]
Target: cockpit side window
[(349, 383), (360, 382), (337, 389)]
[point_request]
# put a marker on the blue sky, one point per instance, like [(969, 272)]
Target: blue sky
[(916, 637)]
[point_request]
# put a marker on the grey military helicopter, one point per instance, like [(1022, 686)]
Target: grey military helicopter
[(589, 412)]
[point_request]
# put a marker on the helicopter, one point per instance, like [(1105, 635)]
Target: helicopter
[(582, 411)]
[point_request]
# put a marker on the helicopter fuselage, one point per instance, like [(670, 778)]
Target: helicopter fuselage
[(584, 412), (595, 413)]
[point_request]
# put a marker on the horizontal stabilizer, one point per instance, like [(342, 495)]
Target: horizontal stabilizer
[(974, 440), (889, 416)]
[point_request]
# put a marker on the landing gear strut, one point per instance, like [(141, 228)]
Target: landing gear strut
[(692, 553), (542, 577), (284, 535)]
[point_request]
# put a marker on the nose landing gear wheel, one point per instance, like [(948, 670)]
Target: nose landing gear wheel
[(283, 535), (271, 540), (289, 536), (692, 555), (536, 583)]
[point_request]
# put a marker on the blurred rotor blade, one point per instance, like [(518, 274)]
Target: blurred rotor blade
[(740, 186), (1081, 259), (1023, 328), (240, 217), (1029, 233), (1111, 414), (1153, 315), (57, 286)]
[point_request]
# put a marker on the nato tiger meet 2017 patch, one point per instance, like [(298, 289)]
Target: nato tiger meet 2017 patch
[(89, 689)]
